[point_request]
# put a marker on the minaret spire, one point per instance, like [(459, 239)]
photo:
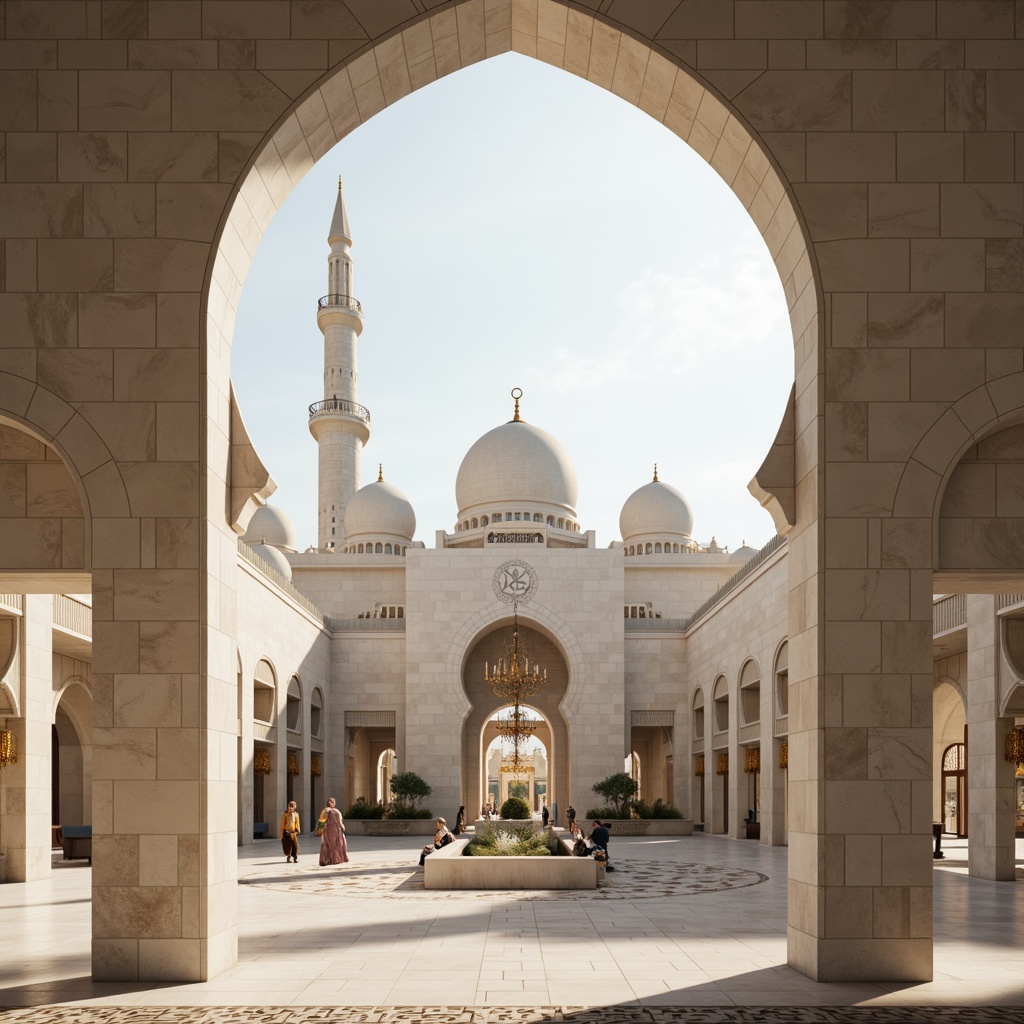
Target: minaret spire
[(340, 425)]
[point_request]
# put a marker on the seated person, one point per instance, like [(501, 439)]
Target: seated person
[(599, 837), (441, 838)]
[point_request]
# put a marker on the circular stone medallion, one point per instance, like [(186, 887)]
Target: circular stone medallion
[(515, 581)]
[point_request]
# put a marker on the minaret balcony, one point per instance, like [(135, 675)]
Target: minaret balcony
[(339, 409), (340, 310)]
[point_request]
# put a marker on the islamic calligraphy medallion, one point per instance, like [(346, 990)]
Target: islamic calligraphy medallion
[(515, 581)]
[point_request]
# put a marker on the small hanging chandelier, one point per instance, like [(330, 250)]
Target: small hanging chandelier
[(1015, 746), (314, 767), (698, 768), (752, 761), (293, 763), (261, 761), (784, 756), (722, 764), (8, 748)]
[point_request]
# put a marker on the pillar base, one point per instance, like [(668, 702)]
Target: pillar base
[(860, 959)]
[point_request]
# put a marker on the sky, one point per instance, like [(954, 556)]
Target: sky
[(515, 226)]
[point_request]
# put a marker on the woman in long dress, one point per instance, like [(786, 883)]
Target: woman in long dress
[(333, 847)]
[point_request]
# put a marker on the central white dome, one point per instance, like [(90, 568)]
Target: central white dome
[(516, 464), (657, 509)]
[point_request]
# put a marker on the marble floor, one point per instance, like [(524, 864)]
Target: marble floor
[(694, 923)]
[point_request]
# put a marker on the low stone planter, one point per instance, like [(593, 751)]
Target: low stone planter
[(646, 826), (447, 868), (394, 826)]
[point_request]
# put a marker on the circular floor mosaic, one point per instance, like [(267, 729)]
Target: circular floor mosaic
[(632, 880)]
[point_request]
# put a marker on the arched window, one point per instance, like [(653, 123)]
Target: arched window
[(657, 548), (551, 520), (484, 520), (782, 681), (647, 549), (473, 524), (750, 692), (378, 548), (361, 551), (387, 549), (293, 709)]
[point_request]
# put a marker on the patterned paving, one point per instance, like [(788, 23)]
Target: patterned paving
[(632, 880), (517, 1015)]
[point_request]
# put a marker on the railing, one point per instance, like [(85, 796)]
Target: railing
[(13, 601), (654, 625), (275, 577), (1008, 600), (365, 625), (360, 412), (72, 616), (734, 581), (949, 613), (340, 300)]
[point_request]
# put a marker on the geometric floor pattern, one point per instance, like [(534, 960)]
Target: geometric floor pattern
[(634, 880), (517, 1015)]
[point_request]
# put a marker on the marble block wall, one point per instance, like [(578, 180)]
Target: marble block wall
[(147, 145)]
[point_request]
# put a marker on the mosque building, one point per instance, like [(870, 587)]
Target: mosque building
[(369, 653)]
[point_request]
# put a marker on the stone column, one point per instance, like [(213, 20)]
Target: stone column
[(860, 897), (990, 778), (26, 784)]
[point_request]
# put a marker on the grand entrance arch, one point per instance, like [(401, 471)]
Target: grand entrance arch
[(479, 730), (888, 198)]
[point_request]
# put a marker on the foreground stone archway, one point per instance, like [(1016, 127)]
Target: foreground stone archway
[(893, 128)]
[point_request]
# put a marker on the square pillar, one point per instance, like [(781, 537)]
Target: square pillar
[(860, 866), (990, 777)]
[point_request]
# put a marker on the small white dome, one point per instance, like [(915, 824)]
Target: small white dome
[(517, 464), (657, 509), (269, 525), (379, 511), (274, 558), (742, 555)]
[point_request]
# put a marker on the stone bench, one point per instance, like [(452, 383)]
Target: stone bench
[(447, 868), (76, 841)]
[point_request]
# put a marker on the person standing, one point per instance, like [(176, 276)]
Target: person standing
[(333, 845), (570, 815), (545, 814), (290, 826), (460, 821)]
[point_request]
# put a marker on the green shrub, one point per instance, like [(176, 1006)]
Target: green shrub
[(515, 809), (519, 789), (362, 808), (509, 842), (660, 809), (409, 789), (619, 790), (606, 814)]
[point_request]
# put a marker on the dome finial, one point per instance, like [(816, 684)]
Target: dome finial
[(339, 184), (655, 480), (517, 393), (380, 472)]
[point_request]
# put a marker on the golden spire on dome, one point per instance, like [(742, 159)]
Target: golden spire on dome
[(380, 472), (655, 480), (516, 418), (339, 184)]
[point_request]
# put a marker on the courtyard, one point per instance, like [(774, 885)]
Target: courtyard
[(692, 922)]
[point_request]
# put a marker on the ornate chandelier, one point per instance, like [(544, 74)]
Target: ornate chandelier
[(514, 680)]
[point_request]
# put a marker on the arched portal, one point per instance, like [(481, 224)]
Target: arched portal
[(71, 760), (499, 782), (478, 730)]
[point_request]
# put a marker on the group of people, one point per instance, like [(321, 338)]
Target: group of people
[(334, 847), (330, 827)]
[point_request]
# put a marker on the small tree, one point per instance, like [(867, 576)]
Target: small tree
[(619, 789), (409, 789), (519, 789), (515, 809)]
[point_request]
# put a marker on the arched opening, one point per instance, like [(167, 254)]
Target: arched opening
[(505, 776), (386, 762), (720, 750), (480, 729), (71, 766), (266, 775), (949, 734)]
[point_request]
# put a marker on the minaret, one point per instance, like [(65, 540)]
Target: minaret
[(340, 425)]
